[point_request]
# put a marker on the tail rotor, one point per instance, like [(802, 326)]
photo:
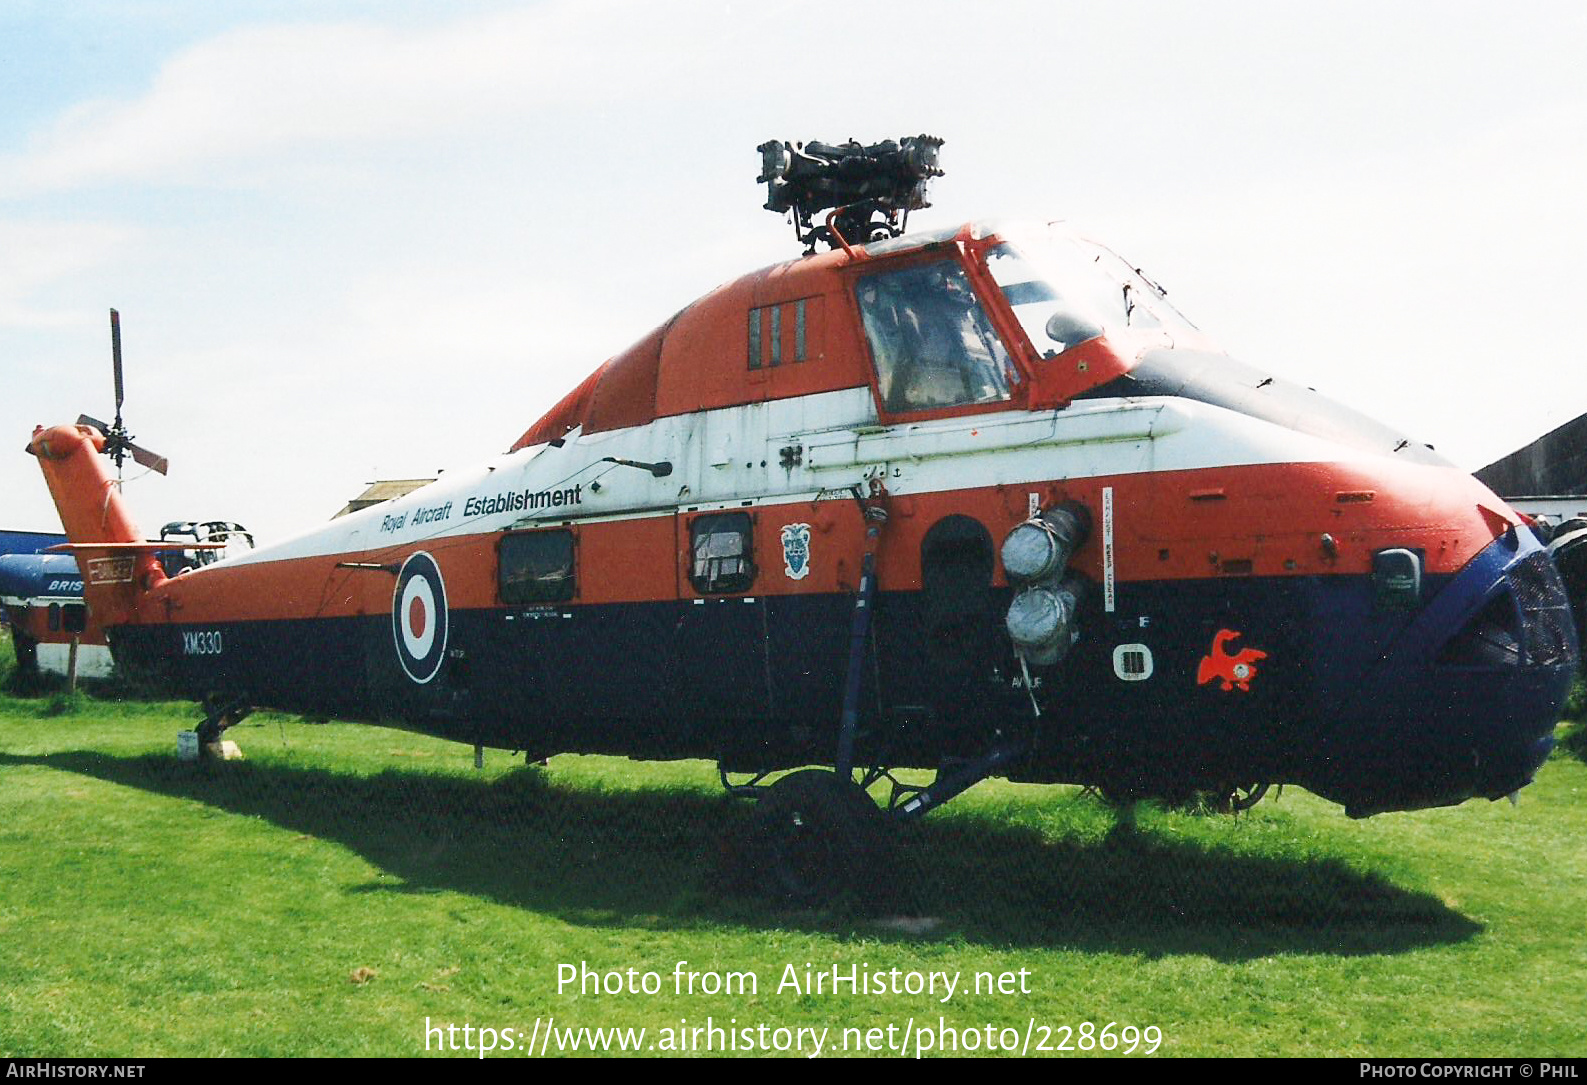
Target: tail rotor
[(118, 441)]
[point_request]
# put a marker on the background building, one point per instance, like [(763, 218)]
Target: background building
[(1547, 477)]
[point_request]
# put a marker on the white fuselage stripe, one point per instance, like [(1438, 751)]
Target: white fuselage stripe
[(788, 451)]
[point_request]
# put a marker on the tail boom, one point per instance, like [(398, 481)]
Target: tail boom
[(96, 519)]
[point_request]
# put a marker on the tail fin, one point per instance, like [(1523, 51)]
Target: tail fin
[(118, 567)]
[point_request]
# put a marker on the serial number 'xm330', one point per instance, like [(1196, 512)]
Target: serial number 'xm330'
[(976, 500)]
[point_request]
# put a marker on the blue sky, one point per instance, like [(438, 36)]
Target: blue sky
[(353, 240)]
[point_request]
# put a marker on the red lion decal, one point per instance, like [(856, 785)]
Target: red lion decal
[(1233, 669)]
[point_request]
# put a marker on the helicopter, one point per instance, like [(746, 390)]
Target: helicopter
[(52, 632), (975, 500)]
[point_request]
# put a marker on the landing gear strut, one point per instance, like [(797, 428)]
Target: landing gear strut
[(820, 831), (219, 714)]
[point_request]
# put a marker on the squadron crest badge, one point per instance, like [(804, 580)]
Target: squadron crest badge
[(796, 551)]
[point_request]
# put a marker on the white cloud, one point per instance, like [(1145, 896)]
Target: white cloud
[(383, 245), (38, 255), (257, 93)]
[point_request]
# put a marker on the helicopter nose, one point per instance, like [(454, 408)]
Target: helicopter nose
[(1521, 649), (1464, 702)]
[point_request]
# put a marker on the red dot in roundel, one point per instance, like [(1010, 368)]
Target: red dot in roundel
[(417, 616)]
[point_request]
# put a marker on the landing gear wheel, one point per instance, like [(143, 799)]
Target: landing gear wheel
[(821, 835)]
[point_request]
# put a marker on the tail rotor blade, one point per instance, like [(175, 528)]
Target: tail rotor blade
[(152, 460), (115, 356), (118, 442)]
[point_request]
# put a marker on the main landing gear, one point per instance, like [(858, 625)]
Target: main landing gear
[(819, 835), (820, 830)]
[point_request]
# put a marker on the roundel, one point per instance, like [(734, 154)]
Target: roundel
[(418, 617)]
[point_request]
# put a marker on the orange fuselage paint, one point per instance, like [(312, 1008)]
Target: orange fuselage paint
[(92, 511)]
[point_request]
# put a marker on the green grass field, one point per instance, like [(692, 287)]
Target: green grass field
[(151, 907)]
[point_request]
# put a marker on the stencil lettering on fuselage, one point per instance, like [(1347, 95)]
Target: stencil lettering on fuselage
[(203, 642)]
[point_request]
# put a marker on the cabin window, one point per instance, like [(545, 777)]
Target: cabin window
[(780, 333), (74, 616), (55, 617), (537, 567), (931, 340), (722, 557)]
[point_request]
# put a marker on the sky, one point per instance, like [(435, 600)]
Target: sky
[(353, 239)]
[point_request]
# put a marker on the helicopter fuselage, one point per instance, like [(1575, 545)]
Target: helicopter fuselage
[(1269, 587)]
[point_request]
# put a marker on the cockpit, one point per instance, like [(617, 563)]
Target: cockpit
[(977, 317), (935, 345), (931, 339), (1065, 290)]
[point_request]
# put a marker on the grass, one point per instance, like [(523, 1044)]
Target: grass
[(1573, 735), (151, 907)]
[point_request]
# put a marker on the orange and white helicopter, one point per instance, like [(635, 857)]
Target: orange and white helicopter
[(976, 500)]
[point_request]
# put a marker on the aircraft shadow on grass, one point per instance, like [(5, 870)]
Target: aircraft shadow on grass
[(673, 858)]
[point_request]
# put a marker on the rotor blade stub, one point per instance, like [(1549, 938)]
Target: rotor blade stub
[(115, 356), (152, 460)]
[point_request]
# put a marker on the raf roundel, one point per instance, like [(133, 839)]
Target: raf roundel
[(418, 617)]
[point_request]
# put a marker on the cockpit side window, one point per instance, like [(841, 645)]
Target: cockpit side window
[(931, 340), (1053, 321), (1064, 291)]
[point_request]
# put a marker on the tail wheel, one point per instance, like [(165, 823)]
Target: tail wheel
[(821, 835)]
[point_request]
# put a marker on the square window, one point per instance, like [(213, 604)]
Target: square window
[(536, 567), (722, 559)]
